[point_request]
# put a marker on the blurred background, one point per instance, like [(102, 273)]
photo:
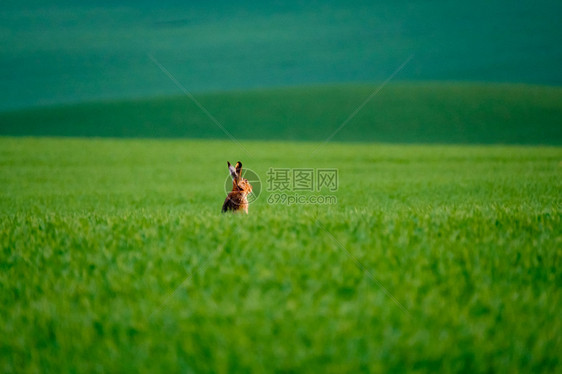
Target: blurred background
[(65, 52)]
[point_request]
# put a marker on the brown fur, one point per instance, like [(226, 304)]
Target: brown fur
[(237, 199)]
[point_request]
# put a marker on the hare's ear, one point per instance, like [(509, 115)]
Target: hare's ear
[(232, 171), (239, 169)]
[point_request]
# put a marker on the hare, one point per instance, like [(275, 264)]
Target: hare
[(237, 199)]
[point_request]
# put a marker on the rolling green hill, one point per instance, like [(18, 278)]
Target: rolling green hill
[(72, 51), (401, 112)]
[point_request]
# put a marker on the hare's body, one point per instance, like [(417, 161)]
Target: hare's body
[(237, 199)]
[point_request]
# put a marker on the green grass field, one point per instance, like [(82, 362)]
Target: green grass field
[(115, 258), (440, 250), (401, 112)]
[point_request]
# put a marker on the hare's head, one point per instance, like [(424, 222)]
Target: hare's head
[(238, 183)]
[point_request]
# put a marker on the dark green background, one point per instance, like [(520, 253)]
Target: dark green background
[(71, 51), (401, 113)]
